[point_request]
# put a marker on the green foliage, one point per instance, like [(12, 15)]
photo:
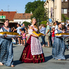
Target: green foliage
[(43, 22), (64, 18), (2, 20), (31, 6), (26, 23), (40, 13), (37, 8)]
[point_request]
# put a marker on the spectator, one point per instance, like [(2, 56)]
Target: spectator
[(23, 27), (19, 32), (56, 26), (23, 37), (53, 34), (42, 30), (48, 34)]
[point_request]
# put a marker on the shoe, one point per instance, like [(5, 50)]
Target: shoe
[(19, 44)]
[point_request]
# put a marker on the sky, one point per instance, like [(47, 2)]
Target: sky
[(14, 5)]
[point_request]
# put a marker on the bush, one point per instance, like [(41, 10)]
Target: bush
[(43, 22), (26, 23)]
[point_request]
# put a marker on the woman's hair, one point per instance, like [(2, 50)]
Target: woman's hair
[(32, 19), (57, 22), (63, 27), (68, 25), (43, 25), (20, 29), (35, 23), (6, 20)]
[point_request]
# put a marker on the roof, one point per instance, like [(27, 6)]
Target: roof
[(9, 14), (23, 16)]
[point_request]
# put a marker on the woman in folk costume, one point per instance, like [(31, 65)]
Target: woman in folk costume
[(6, 48), (59, 45), (32, 52)]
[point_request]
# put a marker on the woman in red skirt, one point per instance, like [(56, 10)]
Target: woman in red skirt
[(32, 52)]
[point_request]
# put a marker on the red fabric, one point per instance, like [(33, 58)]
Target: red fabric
[(27, 57), (53, 34)]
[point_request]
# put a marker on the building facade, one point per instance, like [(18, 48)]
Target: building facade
[(14, 17), (65, 8), (59, 7), (22, 17)]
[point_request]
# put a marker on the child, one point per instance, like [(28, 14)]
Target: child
[(23, 37), (53, 34)]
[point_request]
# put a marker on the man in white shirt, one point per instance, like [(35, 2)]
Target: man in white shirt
[(56, 26), (18, 31)]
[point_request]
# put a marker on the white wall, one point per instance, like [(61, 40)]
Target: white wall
[(20, 21)]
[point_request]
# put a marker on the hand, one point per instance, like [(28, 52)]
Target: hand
[(5, 36), (46, 34), (36, 36), (17, 36), (13, 30)]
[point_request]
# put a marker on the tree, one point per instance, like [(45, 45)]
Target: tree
[(64, 18), (31, 6), (41, 14)]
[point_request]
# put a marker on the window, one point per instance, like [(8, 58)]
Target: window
[(64, 11), (64, 0)]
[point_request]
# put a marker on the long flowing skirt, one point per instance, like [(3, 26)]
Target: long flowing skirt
[(27, 56), (58, 48), (6, 52)]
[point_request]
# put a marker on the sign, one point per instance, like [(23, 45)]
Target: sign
[(50, 20), (2, 17)]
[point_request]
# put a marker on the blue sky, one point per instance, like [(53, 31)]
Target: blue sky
[(13, 5)]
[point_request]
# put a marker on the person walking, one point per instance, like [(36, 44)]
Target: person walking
[(6, 47), (32, 52), (58, 49)]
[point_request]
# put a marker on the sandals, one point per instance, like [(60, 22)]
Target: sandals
[(1, 63)]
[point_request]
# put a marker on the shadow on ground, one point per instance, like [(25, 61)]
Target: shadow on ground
[(48, 58), (66, 56), (17, 62)]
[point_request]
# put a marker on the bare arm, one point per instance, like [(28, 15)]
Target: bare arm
[(48, 31), (14, 30), (34, 35)]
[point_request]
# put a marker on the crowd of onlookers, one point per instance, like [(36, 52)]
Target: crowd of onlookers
[(49, 30)]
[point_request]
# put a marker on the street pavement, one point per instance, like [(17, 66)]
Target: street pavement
[(49, 63)]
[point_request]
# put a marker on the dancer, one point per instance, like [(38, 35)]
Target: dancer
[(58, 46), (6, 48), (32, 52)]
